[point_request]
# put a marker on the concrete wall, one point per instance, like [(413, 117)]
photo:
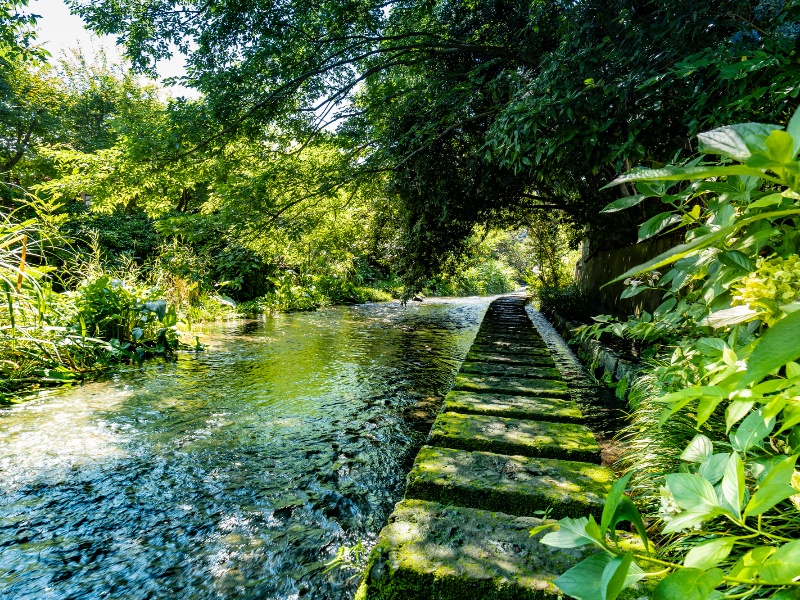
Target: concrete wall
[(595, 269)]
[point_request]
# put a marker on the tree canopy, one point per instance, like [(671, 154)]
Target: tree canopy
[(466, 114)]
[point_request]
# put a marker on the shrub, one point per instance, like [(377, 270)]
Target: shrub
[(569, 302), (715, 437)]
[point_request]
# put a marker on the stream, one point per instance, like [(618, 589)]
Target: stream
[(233, 473)]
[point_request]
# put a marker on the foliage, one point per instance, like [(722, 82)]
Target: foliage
[(465, 114), (569, 302), (731, 510)]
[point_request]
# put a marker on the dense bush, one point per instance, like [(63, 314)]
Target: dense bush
[(569, 302)]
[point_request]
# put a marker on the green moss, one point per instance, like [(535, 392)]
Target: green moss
[(515, 347), (518, 407), (490, 368), (513, 386), (539, 360), (512, 484), (514, 437), (433, 552)]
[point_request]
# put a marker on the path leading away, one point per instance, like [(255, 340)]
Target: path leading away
[(507, 450)]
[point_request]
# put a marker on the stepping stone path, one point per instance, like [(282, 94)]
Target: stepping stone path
[(507, 450)]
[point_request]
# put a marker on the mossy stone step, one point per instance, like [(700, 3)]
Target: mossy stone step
[(547, 388), (433, 552), (515, 407), (510, 340), (515, 485), (491, 368), (480, 355), (514, 437), (506, 348)]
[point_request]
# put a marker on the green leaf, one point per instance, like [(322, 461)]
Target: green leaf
[(776, 347), (688, 584), (700, 243), (775, 487), (748, 565), (709, 554), (627, 511), (783, 566), (738, 141), (793, 129), (583, 580), (691, 518), (614, 575), (736, 259), (624, 203), (683, 173), (612, 501), (674, 254), (713, 468), (779, 146), (733, 484), (571, 533), (691, 491), (736, 411), (656, 224), (752, 431), (698, 450)]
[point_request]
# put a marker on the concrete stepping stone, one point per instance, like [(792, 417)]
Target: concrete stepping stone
[(502, 348), (515, 407), (491, 368), (433, 552), (537, 359), (515, 485), (514, 437), (509, 340), (511, 385)]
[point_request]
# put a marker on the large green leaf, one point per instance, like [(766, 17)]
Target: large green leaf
[(688, 584), (624, 203), (783, 566), (753, 430), (709, 554), (698, 450), (738, 141), (583, 580), (612, 501), (779, 345), (571, 533), (683, 173), (775, 487), (733, 484), (656, 224), (614, 575), (691, 491), (793, 129)]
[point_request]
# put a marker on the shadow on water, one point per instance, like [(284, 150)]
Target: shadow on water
[(234, 473)]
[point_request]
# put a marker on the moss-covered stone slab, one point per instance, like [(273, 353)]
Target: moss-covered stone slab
[(488, 355), (506, 348), (493, 368), (510, 340), (433, 552), (516, 485), (514, 437), (515, 407), (517, 386)]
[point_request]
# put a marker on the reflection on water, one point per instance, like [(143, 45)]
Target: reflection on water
[(234, 473)]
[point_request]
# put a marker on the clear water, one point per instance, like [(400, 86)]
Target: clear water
[(234, 473)]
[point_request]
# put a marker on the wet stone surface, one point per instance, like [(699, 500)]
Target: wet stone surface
[(507, 441)]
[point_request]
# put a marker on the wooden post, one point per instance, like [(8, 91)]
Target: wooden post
[(22, 263)]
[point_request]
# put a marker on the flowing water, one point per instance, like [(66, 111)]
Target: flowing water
[(231, 473)]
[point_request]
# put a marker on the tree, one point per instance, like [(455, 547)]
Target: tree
[(472, 113)]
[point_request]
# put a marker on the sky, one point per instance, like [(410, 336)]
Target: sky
[(59, 31)]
